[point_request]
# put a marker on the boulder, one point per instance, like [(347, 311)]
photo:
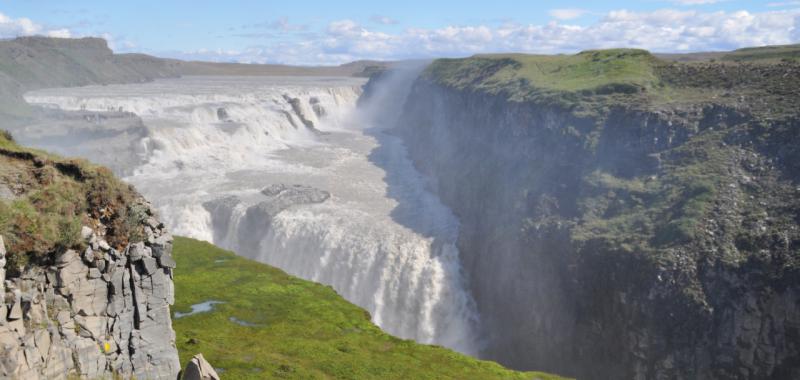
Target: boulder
[(199, 369)]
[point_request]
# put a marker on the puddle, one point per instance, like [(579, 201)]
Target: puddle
[(243, 323), (198, 308)]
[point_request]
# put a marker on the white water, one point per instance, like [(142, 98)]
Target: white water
[(381, 240)]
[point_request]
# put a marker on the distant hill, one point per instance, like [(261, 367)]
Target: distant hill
[(29, 63), (763, 53)]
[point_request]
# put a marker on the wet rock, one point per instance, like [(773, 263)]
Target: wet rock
[(222, 114), (299, 108)]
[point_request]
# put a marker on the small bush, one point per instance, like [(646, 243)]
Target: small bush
[(6, 135), (108, 201)]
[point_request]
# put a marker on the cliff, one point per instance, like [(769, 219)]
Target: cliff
[(622, 216), (87, 283)]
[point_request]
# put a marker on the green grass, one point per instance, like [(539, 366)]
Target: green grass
[(591, 83), (765, 53), (54, 197), (301, 330), (596, 71)]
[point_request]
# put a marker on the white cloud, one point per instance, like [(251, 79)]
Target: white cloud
[(11, 27), (345, 28), (280, 24), (667, 30), (567, 13), (59, 33), (383, 20)]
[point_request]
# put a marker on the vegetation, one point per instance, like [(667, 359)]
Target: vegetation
[(603, 71), (765, 53), (272, 325), (48, 199), (766, 80)]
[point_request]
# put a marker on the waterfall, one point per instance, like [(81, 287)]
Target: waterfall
[(288, 172)]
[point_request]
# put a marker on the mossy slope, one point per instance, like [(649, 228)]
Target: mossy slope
[(272, 325), (45, 199)]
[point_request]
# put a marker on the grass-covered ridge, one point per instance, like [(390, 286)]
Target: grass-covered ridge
[(272, 325), (625, 70), (765, 80)]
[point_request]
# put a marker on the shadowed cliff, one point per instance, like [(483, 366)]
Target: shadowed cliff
[(622, 216)]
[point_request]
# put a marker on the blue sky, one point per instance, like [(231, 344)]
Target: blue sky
[(331, 32)]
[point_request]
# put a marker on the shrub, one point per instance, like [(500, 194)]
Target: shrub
[(6, 135)]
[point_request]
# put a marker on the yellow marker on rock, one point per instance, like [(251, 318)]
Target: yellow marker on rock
[(106, 347)]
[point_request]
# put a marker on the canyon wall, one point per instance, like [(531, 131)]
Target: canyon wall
[(638, 242)]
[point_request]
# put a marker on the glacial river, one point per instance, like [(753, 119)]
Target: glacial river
[(343, 204)]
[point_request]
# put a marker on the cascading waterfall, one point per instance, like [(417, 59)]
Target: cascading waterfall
[(282, 170)]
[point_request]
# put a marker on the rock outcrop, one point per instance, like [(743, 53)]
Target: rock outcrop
[(307, 117), (93, 314), (199, 369), (239, 223)]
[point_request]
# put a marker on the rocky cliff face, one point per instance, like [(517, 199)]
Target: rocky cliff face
[(86, 283), (636, 242), (93, 313)]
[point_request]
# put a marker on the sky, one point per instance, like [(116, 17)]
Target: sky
[(311, 32)]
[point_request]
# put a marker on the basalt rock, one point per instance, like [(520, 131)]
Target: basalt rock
[(638, 242), (96, 319)]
